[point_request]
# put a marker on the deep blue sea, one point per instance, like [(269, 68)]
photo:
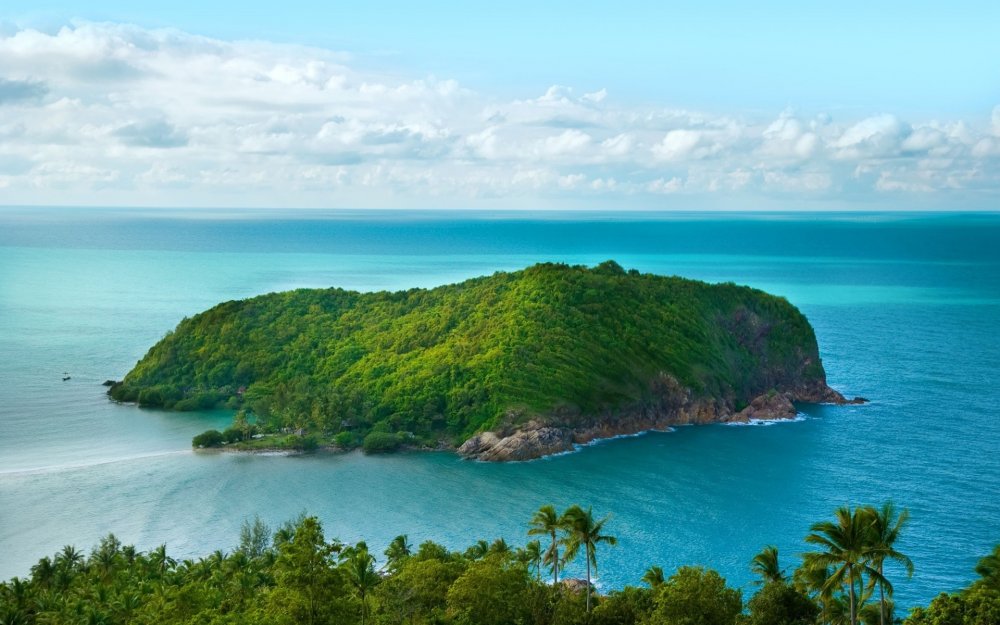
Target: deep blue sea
[(906, 308)]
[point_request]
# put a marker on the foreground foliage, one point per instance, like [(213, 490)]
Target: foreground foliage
[(553, 342), (979, 604), (294, 575)]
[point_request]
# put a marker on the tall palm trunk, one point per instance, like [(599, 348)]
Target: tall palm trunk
[(587, 556), (861, 597), (555, 560), (853, 606), (881, 597)]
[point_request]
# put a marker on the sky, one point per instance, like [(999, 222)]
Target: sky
[(523, 105)]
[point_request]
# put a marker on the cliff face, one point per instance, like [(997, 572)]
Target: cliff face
[(674, 405), (547, 357)]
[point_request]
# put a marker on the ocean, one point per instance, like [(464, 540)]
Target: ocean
[(905, 307)]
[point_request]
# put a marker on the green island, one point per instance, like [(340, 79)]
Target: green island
[(294, 575), (512, 366)]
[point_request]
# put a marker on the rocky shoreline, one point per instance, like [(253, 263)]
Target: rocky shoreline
[(675, 405)]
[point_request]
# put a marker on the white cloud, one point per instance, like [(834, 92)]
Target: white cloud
[(711, 138), (604, 184), (797, 182), (566, 142), (677, 145), (924, 139), (122, 114), (789, 138), (879, 136), (887, 181), (571, 181), (661, 185), (986, 147), (556, 94), (618, 145)]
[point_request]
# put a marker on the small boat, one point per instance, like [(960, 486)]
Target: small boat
[(65, 378)]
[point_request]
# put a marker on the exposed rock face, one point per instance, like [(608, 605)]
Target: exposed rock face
[(769, 407), (575, 585), (818, 392), (672, 405), (533, 440)]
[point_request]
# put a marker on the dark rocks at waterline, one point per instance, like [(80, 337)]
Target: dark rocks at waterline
[(675, 405)]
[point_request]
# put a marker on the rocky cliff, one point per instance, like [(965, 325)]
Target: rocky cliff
[(674, 405)]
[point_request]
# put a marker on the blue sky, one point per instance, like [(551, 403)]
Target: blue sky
[(641, 104)]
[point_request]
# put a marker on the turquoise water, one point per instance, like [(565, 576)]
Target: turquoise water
[(905, 309)]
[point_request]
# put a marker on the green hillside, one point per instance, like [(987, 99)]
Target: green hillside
[(448, 362)]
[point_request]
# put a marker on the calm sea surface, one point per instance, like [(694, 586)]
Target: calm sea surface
[(906, 309)]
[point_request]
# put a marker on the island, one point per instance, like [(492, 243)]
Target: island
[(512, 366)]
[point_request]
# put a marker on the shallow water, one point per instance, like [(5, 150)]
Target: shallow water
[(905, 310)]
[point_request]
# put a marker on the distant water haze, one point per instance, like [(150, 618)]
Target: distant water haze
[(905, 309)]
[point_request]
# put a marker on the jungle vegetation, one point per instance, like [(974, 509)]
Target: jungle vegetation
[(294, 574), (430, 367)]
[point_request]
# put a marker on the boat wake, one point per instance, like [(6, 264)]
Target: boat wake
[(86, 464)]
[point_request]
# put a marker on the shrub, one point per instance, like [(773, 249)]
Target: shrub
[(150, 397), (380, 442), (346, 440), (622, 607), (232, 435), (697, 596), (120, 392), (200, 401), (492, 591), (306, 443), (779, 603), (208, 438)]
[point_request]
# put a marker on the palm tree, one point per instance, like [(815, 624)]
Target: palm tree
[(532, 554), (499, 546), (584, 531), (160, 560), (765, 564), (478, 550), (547, 522), (653, 577), (105, 561), (43, 572), (361, 574), (126, 605), (847, 548), (241, 423), (398, 549), (810, 579), (129, 553), (885, 528), (69, 558)]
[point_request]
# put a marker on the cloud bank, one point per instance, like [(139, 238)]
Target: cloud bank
[(117, 114)]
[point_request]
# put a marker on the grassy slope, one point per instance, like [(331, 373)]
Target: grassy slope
[(453, 360)]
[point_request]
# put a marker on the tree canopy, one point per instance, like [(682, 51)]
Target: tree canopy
[(295, 574), (548, 342)]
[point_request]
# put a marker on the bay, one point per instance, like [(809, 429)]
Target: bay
[(905, 308)]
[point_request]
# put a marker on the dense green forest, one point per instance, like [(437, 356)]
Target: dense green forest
[(431, 367), (294, 575)]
